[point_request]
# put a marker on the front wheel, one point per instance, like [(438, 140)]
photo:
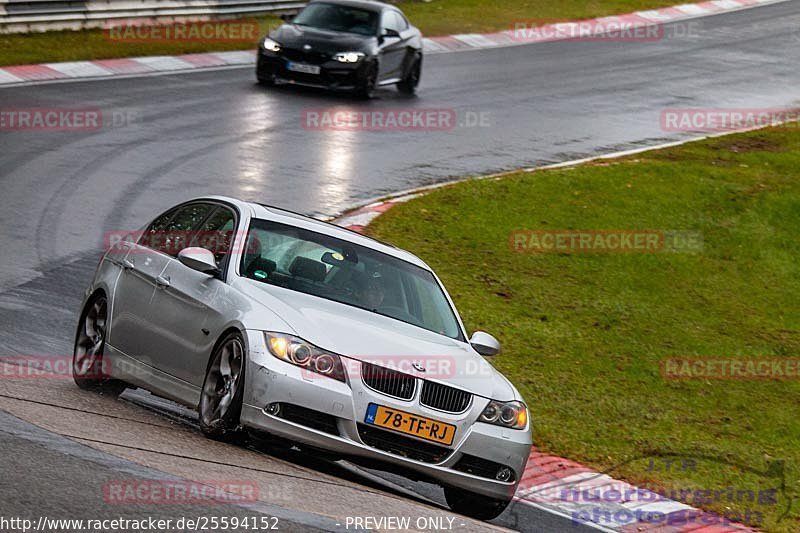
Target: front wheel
[(369, 83), (410, 83), (474, 505), (266, 81), (223, 391), (88, 369)]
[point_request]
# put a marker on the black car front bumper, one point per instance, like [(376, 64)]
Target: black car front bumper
[(333, 74)]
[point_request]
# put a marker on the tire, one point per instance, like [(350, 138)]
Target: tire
[(410, 83), (370, 83), (474, 505), (88, 369), (266, 82), (223, 390)]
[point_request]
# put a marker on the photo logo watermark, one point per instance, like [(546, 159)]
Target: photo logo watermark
[(731, 369), (57, 119), (160, 492), (755, 497), (210, 31), (605, 241), (399, 119), (731, 119)]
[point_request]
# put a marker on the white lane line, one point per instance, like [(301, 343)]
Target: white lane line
[(476, 40), (663, 506), (164, 63), (429, 45), (692, 9), (79, 69), (654, 15), (237, 58), (7, 77), (727, 4)]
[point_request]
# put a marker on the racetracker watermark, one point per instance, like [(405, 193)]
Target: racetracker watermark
[(605, 241), (60, 119), (178, 492), (385, 368), (612, 29), (727, 119), (398, 119), (173, 241), (32, 367), (210, 31), (731, 369)]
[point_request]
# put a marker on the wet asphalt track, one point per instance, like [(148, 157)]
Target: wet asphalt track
[(217, 132)]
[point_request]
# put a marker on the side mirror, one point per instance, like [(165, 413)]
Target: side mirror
[(389, 32), (485, 344), (199, 259), (288, 17)]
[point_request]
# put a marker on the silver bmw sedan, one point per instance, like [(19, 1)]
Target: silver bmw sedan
[(266, 320)]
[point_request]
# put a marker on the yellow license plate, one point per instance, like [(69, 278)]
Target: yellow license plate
[(418, 426)]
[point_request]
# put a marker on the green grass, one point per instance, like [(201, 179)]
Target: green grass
[(446, 17), (54, 46), (584, 335), (438, 17)]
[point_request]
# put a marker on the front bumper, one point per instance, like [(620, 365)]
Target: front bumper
[(270, 380), (333, 74)]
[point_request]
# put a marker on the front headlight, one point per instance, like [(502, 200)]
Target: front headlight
[(349, 57), (270, 45), (512, 415), (298, 352)]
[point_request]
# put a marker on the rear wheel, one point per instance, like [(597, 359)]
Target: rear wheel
[(88, 370), (410, 83), (474, 505), (223, 390)]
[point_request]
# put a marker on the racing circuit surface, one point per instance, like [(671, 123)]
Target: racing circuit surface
[(217, 132)]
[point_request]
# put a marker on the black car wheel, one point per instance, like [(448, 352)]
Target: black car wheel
[(474, 505), (88, 371), (223, 391), (370, 82), (265, 81), (409, 84)]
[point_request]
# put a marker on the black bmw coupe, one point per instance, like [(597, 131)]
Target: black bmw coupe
[(348, 45)]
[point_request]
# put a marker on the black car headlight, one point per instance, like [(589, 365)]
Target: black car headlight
[(270, 45), (512, 415), (349, 57), (298, 352)]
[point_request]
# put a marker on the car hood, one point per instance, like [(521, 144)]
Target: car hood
[(367, 336), (292, 36)]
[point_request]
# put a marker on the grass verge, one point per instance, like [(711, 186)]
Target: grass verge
[(585, 335), (438, 17)]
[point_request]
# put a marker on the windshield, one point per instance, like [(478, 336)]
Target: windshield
[(316, 264), (339, 18)]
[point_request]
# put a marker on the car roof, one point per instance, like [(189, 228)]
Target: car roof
[(284, 216), (364, 4)]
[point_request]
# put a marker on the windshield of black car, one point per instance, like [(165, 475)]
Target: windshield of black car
[(338, 18), (316, 264)]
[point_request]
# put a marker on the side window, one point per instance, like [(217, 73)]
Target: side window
[(402, 22), (391, 22), (175, 236), (216, 234), (156, 228)]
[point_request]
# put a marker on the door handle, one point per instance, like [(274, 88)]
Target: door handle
[(162, 282), (127, 264)]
